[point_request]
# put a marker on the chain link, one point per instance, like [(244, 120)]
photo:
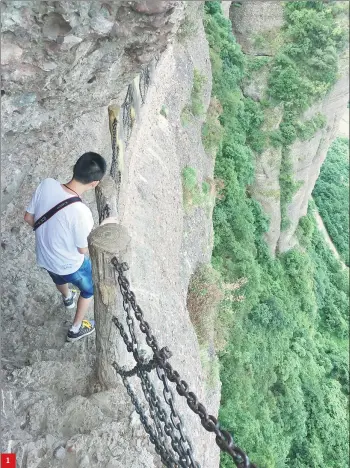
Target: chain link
[(167, 424), (145, 79), (128, 118), (115, 153), (127, 115)]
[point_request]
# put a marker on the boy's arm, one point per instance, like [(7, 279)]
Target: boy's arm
[(29, 218), (30, 211), (81, 230)]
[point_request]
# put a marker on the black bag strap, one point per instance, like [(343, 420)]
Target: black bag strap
[(54, 210)]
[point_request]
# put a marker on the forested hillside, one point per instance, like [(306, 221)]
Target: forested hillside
[(331, 195), (284, 369)]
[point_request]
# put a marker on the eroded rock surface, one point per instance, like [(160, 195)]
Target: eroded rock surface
[(256, 25), (257, 28), (63, 64), (307, 156)]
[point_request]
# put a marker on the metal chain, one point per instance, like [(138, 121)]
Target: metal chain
[(145, 78), (170, 428), (166, 372), (166, 457), (186, 452), (115, 151), (127, 118)]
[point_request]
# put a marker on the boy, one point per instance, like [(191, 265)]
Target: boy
[(61, 239)]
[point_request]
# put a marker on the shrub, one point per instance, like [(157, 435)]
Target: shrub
[(205, 293), (196, 106), (331, 194), (284, 368), (212, 130), (195, 195)]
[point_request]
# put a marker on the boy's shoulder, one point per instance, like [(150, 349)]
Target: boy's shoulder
[(82, 208), (49, 182)]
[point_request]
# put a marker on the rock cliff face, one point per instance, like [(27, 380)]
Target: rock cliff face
[(308, 156), (257, 26), (63, 64)]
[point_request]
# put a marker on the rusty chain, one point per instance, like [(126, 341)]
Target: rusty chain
[(164, 425), (114, 172), (167, 425), (127, 123), (127, 116)]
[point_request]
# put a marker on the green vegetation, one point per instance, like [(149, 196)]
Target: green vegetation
[(303, 70), (307, 65), (164, 111), (194, 194), (284, 369), (199, 80), (187, 29), (288, 187), (331, 194), (212, 131), (205, 293), (196, 106)]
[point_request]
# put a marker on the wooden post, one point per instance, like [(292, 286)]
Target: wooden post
[(105, 242)]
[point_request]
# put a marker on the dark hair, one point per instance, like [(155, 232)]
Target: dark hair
[(89, 168)]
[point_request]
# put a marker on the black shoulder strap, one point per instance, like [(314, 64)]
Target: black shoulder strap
[(54, 210)]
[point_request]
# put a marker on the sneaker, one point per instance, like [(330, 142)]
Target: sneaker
[(87, 327), (70, 302)]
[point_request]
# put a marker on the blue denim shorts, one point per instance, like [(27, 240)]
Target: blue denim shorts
[(81, 278)]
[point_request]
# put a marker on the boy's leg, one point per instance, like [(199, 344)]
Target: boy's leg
[(83, 280), (64, 290), (61, 284), (82, 307)]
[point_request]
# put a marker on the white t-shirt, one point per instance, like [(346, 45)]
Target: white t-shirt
[(58, 238)]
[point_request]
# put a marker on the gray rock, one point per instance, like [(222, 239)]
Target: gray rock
[(85, 462), (43, 138), (60, 453), (308, 156), (10, 52), (258, 31), (257, 27)]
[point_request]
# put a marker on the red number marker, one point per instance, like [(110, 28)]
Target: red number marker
[(8, 460)]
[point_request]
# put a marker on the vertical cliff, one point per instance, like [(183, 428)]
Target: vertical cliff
[(63, 63), (262, 31)]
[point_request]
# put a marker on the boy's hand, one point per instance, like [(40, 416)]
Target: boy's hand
[(29, 218)]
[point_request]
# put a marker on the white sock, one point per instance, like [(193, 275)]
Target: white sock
[(75, 328)]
